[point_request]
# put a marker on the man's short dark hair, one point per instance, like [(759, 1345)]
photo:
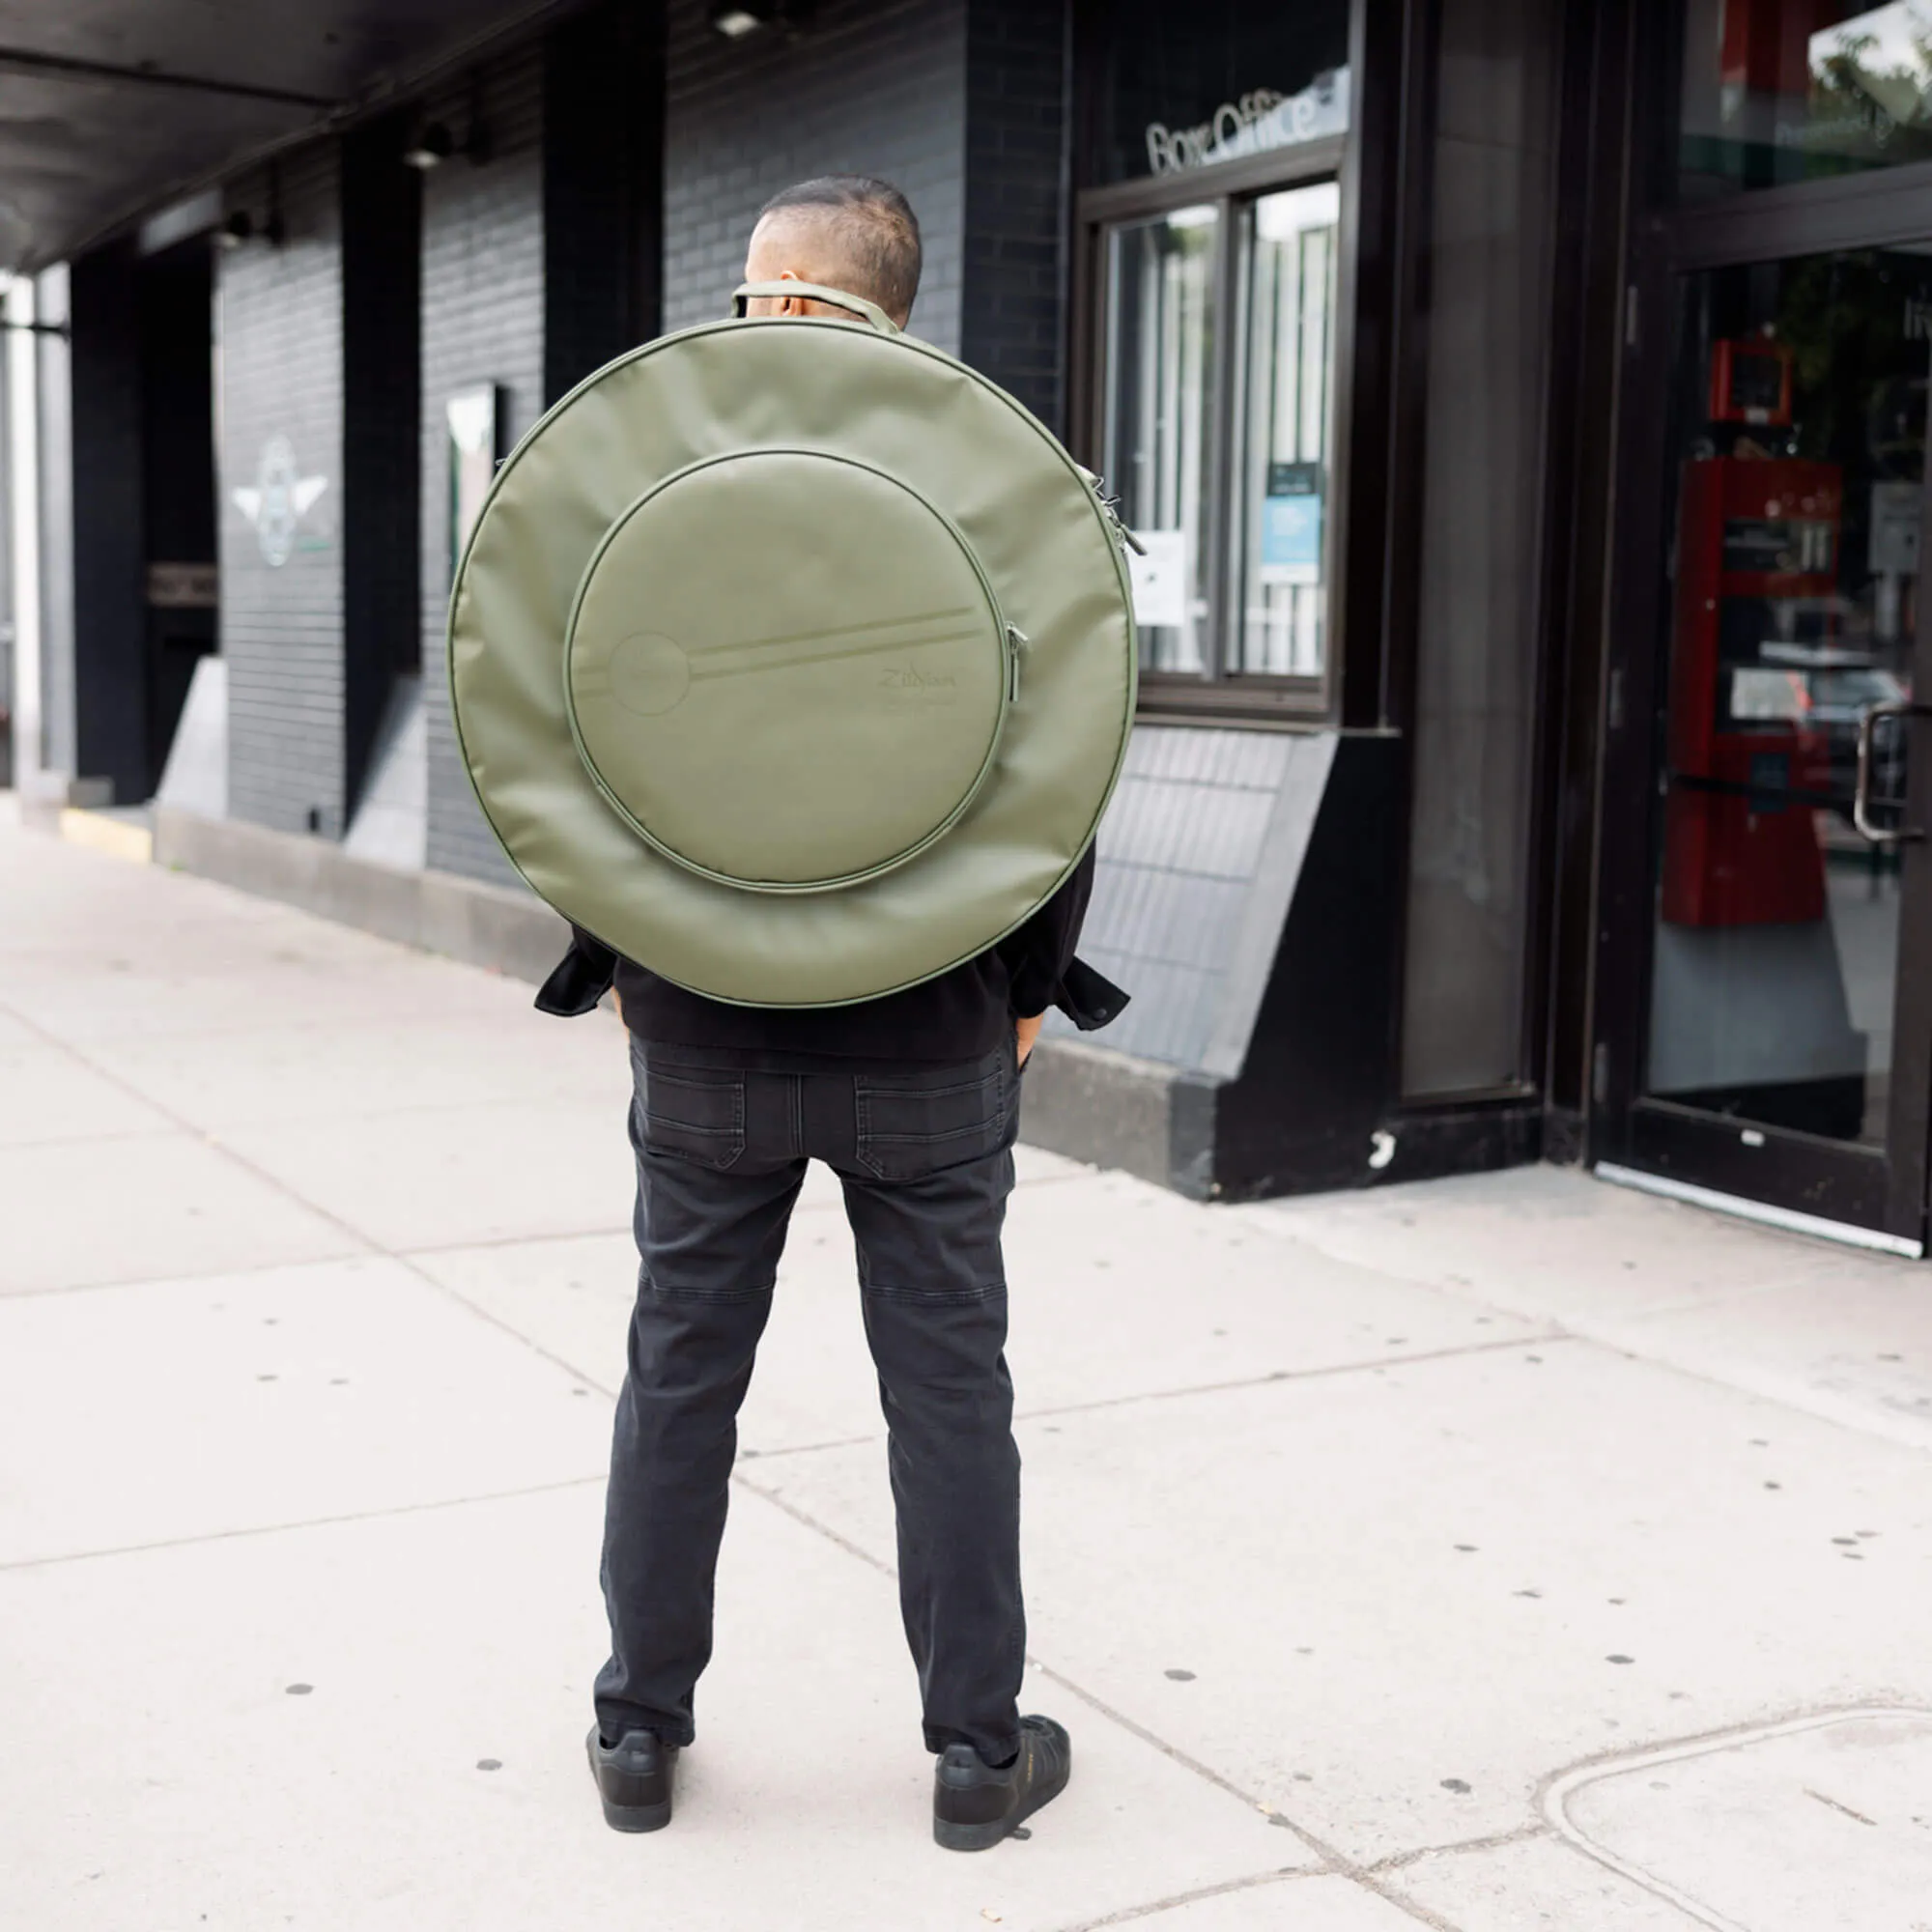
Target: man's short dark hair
[(877, 232)]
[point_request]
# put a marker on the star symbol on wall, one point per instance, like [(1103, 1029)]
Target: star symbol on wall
[(279, 499)]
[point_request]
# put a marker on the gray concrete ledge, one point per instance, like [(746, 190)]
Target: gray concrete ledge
[(1094, 1104), (462, 918)]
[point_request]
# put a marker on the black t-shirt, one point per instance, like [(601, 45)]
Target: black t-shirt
[(960, 1016)]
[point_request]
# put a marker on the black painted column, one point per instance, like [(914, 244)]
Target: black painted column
[(110, 696)]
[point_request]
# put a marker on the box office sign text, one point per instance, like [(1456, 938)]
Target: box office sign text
[(1259, 121)]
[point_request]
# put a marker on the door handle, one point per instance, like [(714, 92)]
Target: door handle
[(1862, 793)]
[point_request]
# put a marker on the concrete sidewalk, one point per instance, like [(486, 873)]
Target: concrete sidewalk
[(1509, 1554)]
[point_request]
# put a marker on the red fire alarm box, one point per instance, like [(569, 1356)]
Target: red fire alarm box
[(1750, 383), (1756, 605)]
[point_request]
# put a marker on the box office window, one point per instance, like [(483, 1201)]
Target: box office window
[(1214, 138), (1222, 471)]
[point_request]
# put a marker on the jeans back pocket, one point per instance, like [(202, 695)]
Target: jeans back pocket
[(693, 1114), (907, 1128)]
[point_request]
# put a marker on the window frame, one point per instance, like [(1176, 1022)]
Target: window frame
[(1230, 187)]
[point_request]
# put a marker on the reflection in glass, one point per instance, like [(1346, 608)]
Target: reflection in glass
[(1284, 414), (1159, 359), (1800, 410), (1214, 81), (1788, 90), (1480, 618)]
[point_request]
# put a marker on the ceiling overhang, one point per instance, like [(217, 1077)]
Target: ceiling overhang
[(112, 109)]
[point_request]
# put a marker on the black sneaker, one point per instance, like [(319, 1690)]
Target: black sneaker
[(974, 1805), (633, 1780)]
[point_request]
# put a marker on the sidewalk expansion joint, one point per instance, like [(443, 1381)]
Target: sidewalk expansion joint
[(1128, 1913), (302, 1523), (361, 1243), (111, 1284), (1704, 1379), (577, 1374), (1541, 1339), (1557, 1790), (1325, 1372), (169, 1133), (1495, 1841), (1331, 1859), (814, 1448), (809, 1521)]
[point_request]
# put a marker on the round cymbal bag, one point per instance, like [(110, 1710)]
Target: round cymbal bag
[(794, 658)]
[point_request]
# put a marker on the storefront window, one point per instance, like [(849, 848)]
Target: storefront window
[(1223, 474), (1160, 348), (1284, 424), (1779, 90)]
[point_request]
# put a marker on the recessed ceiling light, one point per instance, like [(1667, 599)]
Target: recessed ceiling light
[(430, 148), (736, 19)]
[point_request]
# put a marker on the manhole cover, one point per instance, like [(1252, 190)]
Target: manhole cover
[(1823, 1825)]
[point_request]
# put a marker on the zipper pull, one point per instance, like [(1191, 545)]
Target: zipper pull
[(1112, 506), (1017, 642)]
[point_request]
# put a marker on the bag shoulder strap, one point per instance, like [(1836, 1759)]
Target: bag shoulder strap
[(867, 311)]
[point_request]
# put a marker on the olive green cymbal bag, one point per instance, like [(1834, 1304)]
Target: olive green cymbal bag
[(792, 658)]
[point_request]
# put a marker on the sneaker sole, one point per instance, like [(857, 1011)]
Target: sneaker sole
[(637, 1817), (983, 1837)]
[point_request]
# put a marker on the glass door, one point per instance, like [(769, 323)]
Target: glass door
[(1783, 1051)]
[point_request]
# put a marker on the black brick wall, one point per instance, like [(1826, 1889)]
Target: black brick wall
[(541, 262), (875, 87), (482, 321), (280, 319), (962, 103), (1012, 313)]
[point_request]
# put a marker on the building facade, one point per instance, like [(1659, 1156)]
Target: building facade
[(1522, 406)]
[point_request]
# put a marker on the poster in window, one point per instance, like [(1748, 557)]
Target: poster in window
[(1292, 523), (1159, 578), (1893, 543)]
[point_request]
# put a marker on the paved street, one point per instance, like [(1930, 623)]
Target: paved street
[(1512, 1552)]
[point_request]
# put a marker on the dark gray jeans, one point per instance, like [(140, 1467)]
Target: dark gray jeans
[(925, 1156)]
